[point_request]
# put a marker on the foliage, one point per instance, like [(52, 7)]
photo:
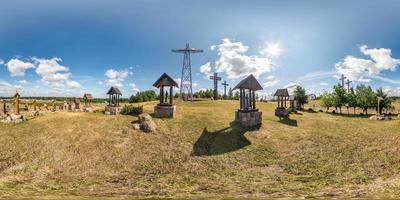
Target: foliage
[(204, 94), (352, 100), (148, 95), (326, 100), (301, 96), (365, 97), (130, 109), (339, 97), (386, 102)]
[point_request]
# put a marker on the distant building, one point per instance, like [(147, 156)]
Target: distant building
[(312, 97)]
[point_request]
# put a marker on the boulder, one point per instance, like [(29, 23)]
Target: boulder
[(146, 123), (34, 113), (12, 118)]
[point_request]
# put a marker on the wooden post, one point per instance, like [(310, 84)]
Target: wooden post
[(254, 99), (171, 95), (16, 105), (240, 99), (285, 101)]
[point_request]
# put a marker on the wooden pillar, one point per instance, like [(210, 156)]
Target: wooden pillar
[(241, 99), (16, 105), (254, 99), (109, 99), (285, 101), (171, 95)]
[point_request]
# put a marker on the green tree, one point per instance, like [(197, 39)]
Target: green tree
[(301, 96), (365, 97), (236, 96), (326, 100), (352, 100), (386, 102), (339, 97)]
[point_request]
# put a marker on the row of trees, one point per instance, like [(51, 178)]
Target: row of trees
[(148, 95), (362, 97)]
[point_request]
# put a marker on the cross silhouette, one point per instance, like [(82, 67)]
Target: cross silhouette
[(225, 84), (215, 78), (348, 85), (342, 79)]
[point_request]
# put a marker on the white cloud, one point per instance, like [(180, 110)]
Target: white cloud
[(7, 89), (271, 83), (115, 77), (206, 70), (292, 85), (1, 61), (317, 75), (390, 91), (53, 74), (134, 87), (23, 82), (323, 83), (18, 67), (358, 68), (73, 85), (233, 61), (270, 77)]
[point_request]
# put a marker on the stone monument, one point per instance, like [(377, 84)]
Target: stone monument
[(248, 115), (113, 107), (283, 96), (88, 99), (166, 106), (2, 108)]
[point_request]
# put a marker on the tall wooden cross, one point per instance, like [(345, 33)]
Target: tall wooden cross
[(342, 79), (215, 78), (225, 84), (348, 84)]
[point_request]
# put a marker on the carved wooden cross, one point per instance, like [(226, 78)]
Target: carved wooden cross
[(348, 85), (225, 84), (342, 79), (215, 78)]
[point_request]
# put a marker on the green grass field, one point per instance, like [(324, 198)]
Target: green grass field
[(200, 153)]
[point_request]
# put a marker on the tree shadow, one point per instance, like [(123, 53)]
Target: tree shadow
[(288, 121), (221, 141)]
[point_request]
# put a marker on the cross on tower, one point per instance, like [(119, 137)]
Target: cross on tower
[(342, 79), (225, 84), (215, 78), (348, 85)]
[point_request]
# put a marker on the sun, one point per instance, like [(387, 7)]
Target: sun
[(273, 49)]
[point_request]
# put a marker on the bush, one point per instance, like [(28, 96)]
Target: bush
[(132, 110)]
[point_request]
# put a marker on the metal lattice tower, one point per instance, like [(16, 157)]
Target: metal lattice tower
[(186, 77)]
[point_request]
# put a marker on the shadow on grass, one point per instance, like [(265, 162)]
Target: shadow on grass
[(221, 141), (288, 121)]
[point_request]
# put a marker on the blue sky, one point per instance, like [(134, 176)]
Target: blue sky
[(67, 48)]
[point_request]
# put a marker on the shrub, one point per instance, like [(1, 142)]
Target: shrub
[(131, 110)]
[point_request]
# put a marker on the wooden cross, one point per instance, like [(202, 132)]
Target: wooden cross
[(348, 84), (225, 84), (215, 78), (342, 79), (379, 105)]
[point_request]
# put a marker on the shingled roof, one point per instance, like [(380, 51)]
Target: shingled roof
[(282, 93), (88, 96), (114, 90), (249, 82), (165, 80)]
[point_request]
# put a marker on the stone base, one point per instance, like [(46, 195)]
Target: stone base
[(112, 110), (248, 118), (379, 117), (164, 111), (14, 119), (281, 112), (88, 109), (34, 113)]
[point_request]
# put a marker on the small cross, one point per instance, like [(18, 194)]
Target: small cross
[(225, 84), (342, 79), (348, 85), (215, 78)]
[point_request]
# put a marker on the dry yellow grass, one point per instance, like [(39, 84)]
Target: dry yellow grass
[(200, 153)]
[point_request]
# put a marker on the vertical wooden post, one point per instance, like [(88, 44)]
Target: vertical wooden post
[(254, 99), (241, 98), (171, 95)]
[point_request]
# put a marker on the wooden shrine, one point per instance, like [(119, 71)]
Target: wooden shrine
[(166, 107)]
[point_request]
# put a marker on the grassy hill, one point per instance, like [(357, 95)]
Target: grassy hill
[(201, 153)]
